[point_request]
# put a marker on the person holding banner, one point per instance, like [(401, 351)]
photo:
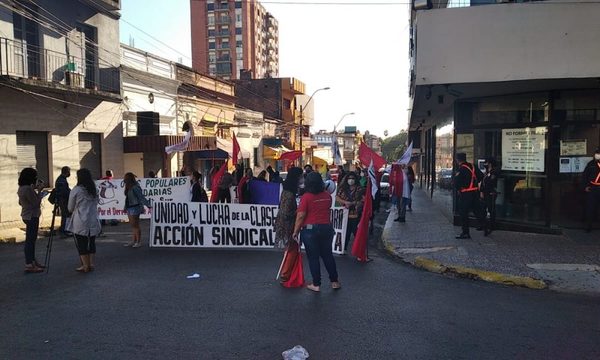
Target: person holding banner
[(313, 224), (134, 206), (350, 195), (198, 192), (284, 222)]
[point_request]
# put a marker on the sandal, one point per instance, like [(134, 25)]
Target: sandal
[(336, 285), (314, 288), (83, 269)]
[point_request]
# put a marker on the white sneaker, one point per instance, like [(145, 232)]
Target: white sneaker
[(129, 244), (137, 245)]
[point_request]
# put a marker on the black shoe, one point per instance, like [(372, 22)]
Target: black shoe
[(400, 219), (486, 232), (479, 228), (463, 236)]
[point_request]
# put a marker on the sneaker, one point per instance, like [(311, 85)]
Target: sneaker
[(463, 236), (137, 245), (336, 285), (129, 244), (314, 288)]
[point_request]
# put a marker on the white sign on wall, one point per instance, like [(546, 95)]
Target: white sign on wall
[(524, 149)]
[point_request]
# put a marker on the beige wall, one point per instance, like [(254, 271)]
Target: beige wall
[(63, 122), (507, 42)]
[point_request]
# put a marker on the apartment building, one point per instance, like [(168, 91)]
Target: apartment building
[(60, 90), (230, 36), (515, 81)]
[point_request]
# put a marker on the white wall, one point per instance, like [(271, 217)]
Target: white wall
[(504, 42)]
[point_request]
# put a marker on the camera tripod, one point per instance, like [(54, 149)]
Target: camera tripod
[(50, 238)]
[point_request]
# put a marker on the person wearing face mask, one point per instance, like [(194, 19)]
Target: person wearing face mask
[(591, 179), (351, 195), (488, 192)]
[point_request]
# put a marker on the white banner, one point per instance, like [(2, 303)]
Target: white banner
[(111, 202), (524, 149), (217, 225)]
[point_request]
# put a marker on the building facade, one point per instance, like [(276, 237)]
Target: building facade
[(517, 82), (230, 36), (59, 92)]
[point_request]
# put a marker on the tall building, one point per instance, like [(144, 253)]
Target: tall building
[(230, 36), (514, 81)]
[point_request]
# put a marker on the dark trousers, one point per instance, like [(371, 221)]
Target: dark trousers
[(489, 201), (592, 202), (317, 242), (31, 233), (467, 202), (402, 204), (64, 214), (351, 230), (224, 196), (85, 244)]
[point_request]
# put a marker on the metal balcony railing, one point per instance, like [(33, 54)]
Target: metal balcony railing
[(22, 60)]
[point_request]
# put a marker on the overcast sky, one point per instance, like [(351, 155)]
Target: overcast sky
[(360, 51)]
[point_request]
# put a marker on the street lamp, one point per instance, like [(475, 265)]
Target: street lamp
[(334, 135), (302, 121)]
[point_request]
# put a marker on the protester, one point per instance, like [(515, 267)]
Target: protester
[(134, 205), (351, 196), (411, 179), (284, 222), (30, 198), (108, 175), (152, 174), (400, 183), (198, 192), (238, 173), (466, 182), (262, 176), (488, 191), (307, 169), (313, 223), (276, 178), (243, 188), (591, 180), (341, 173), (84, 224), (364, 177), (224, 185), (62, 191), (271, 173)]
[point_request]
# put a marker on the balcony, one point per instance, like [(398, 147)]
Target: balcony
[(224, 20), (20, 60)]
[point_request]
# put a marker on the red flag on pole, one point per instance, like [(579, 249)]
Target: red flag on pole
[(235, 151), (216, 179), (291, 155), (359, 248), (366, 155)]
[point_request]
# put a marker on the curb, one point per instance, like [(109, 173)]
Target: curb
[(462, 271)]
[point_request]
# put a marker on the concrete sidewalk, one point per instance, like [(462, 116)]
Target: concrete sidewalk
[(568, 262)]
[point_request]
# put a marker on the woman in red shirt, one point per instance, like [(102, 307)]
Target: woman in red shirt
[(313, 223)]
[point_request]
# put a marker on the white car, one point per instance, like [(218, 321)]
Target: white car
[(384, 190)]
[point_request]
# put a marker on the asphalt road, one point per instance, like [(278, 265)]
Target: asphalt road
[(138, 304)]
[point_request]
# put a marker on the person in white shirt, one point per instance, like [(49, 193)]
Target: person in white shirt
[(83, 205)]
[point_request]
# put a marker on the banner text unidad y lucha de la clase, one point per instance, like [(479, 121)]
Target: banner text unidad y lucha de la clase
[(217, 225)]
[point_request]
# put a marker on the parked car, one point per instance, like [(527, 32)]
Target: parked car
[(384, 186), (444, 179)]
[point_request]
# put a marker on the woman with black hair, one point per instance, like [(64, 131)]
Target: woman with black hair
[(351, 196), (30, 198), (313, 223), (284, 222), (134, 205), (83, 205), (198, 192)]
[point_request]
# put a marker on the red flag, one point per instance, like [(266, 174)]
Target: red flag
[(291, 155), (366, 155), (240, 190), (359, 248), (297, 275), (216, 179), (236, 150)]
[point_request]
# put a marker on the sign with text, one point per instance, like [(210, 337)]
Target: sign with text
[(524, 149), (111, 193), (573, 147), (217, 225)]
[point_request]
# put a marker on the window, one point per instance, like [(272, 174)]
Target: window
[(238, 44), (238, 4), (238, 18), (238, 31), (255, 156), (211, 19), (210, 7), (32, 151), (211, 44), (212, 57), (212, 32), (90, 153)]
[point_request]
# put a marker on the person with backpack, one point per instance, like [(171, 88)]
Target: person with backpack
[(84, 224)]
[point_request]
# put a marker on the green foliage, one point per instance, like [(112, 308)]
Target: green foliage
[(394, 146)]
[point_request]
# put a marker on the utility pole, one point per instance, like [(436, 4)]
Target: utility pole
[(302, 122)]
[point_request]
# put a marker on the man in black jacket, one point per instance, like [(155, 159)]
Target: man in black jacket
[(466, 181), (591, 179), (489, 192), (62, 197)]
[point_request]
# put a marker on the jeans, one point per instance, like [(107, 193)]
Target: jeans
[(317, 242), (31, 233), (351, 230)]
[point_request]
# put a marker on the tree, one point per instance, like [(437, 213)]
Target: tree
[(394, 146)]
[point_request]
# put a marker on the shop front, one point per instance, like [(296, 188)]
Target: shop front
[(542, 142)]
